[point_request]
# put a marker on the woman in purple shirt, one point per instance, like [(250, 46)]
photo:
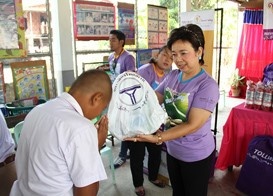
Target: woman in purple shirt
[(154, 73), (190, 96)]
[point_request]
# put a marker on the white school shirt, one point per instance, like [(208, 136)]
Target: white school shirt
[(58, 147), (6, 141)]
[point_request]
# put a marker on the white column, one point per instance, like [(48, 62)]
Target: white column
[(185, 6), (63, 43)]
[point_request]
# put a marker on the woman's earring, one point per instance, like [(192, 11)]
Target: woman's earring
[(199, 58)]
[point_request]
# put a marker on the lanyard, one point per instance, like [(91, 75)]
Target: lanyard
[(114, 65)]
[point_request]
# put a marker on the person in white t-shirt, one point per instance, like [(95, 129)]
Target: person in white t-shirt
[(7, 156), (58, 150)]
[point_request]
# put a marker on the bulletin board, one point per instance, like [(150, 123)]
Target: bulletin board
[(30, 79), (12, 29), (93, 20), (157, 26)]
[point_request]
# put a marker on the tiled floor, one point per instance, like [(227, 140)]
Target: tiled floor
[(223, 182)]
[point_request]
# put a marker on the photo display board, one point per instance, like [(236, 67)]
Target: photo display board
[(93, 20), (157, 26), (30, 79)]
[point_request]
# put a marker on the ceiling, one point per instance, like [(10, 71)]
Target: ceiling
[(249, 3)]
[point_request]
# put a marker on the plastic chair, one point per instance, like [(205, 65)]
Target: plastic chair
[(17, 131), (108, 151)]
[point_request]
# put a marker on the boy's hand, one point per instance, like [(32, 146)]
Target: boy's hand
[(102, 127)]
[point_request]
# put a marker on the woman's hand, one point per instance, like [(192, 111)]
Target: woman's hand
[(144, 138)]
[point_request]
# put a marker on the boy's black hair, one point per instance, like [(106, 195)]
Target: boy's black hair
[(120, 35)]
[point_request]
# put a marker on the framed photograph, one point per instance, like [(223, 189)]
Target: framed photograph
[(162, 38), (30, 79), (93, 20), (153, 12), (163, 14), (12, 30), (153, 25)]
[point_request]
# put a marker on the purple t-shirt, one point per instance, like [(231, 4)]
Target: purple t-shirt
[(201, 91), (125, 62), (148, 73)]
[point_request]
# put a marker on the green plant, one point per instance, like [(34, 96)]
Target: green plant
[(236, 80)]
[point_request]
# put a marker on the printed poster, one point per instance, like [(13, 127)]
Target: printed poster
[(8, 25), (12, 29), (126, 21), (30, 79)]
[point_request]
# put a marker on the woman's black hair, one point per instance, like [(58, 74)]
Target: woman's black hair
[(191, 33), (153, 59)]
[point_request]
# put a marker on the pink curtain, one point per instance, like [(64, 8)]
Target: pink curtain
[(254, 52)]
